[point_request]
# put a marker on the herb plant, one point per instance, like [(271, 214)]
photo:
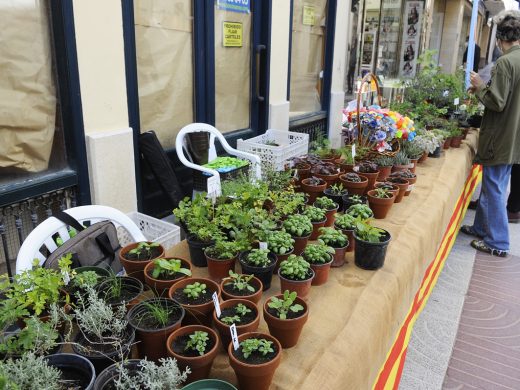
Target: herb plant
[(318, 253), (240, 311), (401, 158), (29, 372), (253, 345), (194, 290), (325, 203), (382, 193), (345, 221), (285, 304), (366, 232), (223, 250), (353, 177), (384, 161), (85, 279), (314, 213), (332, 237), (295, 268), (314, 181), (168, 268), (144, 247), (258, 258), (337, 189), (298, 225), (151, 376), (198, 342), (360, 210), (280, 243), (240, 282)]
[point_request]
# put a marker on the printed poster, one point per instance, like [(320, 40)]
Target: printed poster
[(411, 38), (232, 34), (241, 6)]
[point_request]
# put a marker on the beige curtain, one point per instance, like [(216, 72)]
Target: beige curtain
[(164, 46), (307, 57), (27, 90), (232, 75)]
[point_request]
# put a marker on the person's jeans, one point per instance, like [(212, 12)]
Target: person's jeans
[(513, 202), (491, 216)]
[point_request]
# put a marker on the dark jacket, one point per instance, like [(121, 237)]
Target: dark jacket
[(476, 57), (499, 141)]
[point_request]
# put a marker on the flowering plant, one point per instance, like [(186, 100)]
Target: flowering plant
[(379, 127)]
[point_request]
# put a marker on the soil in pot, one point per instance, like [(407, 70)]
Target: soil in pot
[(286, 331), (154, 320), (196, 247), (265, 274), (230, 292), (380, 206), (247, 322), (164, 281), (355, 188), (121, 289), (313, 190), (200, 365), (371, 256), (302, 287), (76, 371), (134, 263)]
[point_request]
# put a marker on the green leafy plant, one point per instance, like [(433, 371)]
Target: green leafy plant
[(258, 258), (287, 202), (345, 221), (321, 147), (168, 268), (360, 210), (295, 268), (318, 253), (144, 247), (252, 345), (240, 311), (224, 250), (325, 203), (30, 372), (353, 177), (158, 311), (240, 282), (298, 225), (332, 237), (401, 158), (382, 193), (280, 243), (285, 304), (384, 161), (229, 320), (367, 232), (194, 290), (151, 376), (198, 342), (412, 150), (337, 189), (85, 279), (314, 213)]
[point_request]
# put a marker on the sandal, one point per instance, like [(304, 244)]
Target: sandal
[(482, 247), (467, 229)]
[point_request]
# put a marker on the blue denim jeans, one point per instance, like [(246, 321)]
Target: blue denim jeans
[(491, 216)]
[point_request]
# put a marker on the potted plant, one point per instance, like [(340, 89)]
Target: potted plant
[(299, 226), (135, 256), (142, 374), (221, 258), (384, 164), (387, 185), (196, 347), (456, 137), (285, 315), (402, 184), (313, 186), (119, 290), (327, 171), (104, 334), (346, 223), (336, 193), (346, 161), (282, 245), (256, 360), (195, 296), (352, 199), (244, 314), (296, 275), (380, 201), (240, 286), (318, 219), (301, 168), (337, 240), (330, 208), (259, 262), (362, 211), (371, 245), (370, 170), (428, 142), (401, 162), (161, 274), (354, 183), (414, 152), (320, 258), (154, 320), (410, 177)]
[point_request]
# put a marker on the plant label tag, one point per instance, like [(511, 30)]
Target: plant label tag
[(355, 169), (217, 304), (262, 245), (410, 187), (353, 150), (66, 278), (234, 336), (456, 101)]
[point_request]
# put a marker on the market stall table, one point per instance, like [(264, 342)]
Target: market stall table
[(353, 319)]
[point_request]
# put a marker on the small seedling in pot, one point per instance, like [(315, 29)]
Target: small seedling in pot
[(223, 250), (337, 189), (325, 203), (168, 268), (315, 181), (85, 279), (240, 282), (252, 345), (229, 320), (360, 210), (258, 258), (382, 193), (195, 290), (298, 225), (314, 213), (285, 304), (144, 247), (332, 237), (198, 342), (280, 243), (240, 311), (295, 268)]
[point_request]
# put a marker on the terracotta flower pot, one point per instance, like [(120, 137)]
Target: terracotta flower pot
[(223, 329), (200, 366), (312, 191), (219, 269), (131, 290), (153, 340), (354, 188), (330, 216), (423, 158), (196, 313), (316, 229), (447, 143), (402, 188), (299, 244), (411, 183), (372, 177), (286, 331), (413, 161), (303, 171), (345, 167), (302, 287), (456, 141), (350, 235), (339, 257), (252, 297), (394, 190), (329, 179), (135, 268), (399, 168), (280, 258), (161, 286), (380, 206), (321, 272), (255, 376), (384, 172)]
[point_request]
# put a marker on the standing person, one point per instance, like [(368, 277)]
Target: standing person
[(476, 57), (513, 201), (352, 66), (499, 140)]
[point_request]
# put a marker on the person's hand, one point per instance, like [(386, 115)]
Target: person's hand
[(471, 90), (475, 80)]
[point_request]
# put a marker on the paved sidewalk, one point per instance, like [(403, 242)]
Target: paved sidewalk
[(468, 335)]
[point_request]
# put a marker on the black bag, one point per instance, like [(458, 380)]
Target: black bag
[(95, 245)]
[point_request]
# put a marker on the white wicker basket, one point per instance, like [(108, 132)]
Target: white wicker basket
[(290, 145), (165, 233)]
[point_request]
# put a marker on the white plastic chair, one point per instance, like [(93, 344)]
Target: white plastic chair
[(42, 234), (214, 180)]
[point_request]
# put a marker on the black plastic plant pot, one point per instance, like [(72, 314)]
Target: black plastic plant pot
[(105, 380), (209, 384), (198, 259), (371, 255), (436, 153), (265, 274), (76, 371), (130, 290), (104, 356), (336, 198), (347, 202), (101, 271)]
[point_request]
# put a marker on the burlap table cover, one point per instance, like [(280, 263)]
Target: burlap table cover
[(353, 319)]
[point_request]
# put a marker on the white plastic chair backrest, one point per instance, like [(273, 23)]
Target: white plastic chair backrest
[(43, 234)]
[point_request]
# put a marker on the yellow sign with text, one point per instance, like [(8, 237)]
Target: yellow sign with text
[(232, 33), (309, 15)]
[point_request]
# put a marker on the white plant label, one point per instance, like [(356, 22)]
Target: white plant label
[(262, 245), (353, 150), (234, 336), (216, 303), (456, 101), (355, 169), (410, 187), (66, 278)]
